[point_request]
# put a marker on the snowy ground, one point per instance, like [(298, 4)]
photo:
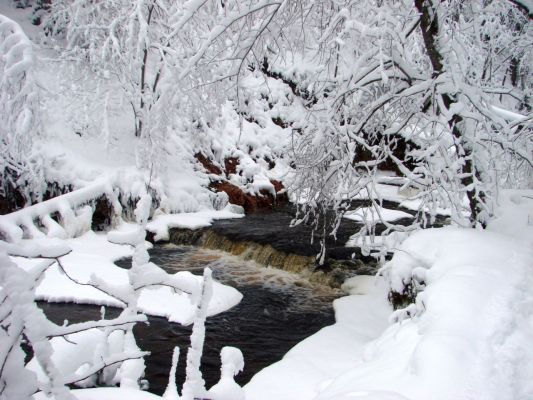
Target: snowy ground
[(467, 336)]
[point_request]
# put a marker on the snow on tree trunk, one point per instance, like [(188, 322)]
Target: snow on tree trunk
[(171, 391), (232, 362), (194, 385)]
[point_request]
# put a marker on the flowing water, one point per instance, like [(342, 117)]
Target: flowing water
[(278, 310)]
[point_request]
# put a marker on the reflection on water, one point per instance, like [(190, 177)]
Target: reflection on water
[(278, 310)]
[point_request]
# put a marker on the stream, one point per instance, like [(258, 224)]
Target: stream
[(278, 310)]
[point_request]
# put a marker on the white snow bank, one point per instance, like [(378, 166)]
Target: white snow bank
[(195, 220), (107, 394), (468, 335), (308, 366), (373, 242), (92, 256), (373, 216), (514, 215)]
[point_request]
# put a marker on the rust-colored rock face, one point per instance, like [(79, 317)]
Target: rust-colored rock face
[(208, 164), (230, 165), (249, 202), (236, 195), (281, 194)]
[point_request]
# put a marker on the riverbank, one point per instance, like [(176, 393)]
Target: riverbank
[(467, 335)]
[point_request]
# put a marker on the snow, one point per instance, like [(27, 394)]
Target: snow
[(514, 215), (171, 391), (87, 346), (194, 385), (376, 242), (107, 394), (65, 204), (92, 256), (371, 215), (195, 220), (468, 335), (41, 248), (232, 363)]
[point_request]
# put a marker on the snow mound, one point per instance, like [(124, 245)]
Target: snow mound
[(195, 220), (468, 335), (371, 215)]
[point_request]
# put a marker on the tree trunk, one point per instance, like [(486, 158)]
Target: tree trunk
[(429, 24)]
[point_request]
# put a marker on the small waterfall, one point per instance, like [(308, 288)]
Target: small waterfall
[(265, 255)]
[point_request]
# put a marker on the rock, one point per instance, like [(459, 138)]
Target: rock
[(235, 194), (230, 165), (102, 214), (208, 164), (249, 202)]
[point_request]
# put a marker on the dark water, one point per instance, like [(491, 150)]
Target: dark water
[(272, 227), (277, 311)]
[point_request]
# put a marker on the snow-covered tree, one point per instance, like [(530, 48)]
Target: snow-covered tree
[(448, 82), (20, 178), (437, 90), (123, 41), (174, 63)]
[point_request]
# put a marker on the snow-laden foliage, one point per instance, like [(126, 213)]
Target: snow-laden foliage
[(439, 91), (22, 319), (163, 56), (75, 215), (171, 72), (19, 114)]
